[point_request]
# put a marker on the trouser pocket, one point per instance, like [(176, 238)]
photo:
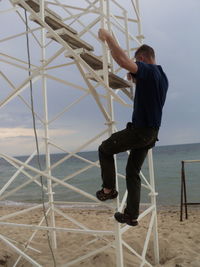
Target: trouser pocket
[(148, 137)]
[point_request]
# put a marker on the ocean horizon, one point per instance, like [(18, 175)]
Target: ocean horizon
[(167, 170)]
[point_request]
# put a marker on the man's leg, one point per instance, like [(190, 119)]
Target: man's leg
[(118, 142), (129, 138), (133, 181)]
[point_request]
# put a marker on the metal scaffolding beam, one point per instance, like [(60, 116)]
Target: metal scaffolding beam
[(101, 80)]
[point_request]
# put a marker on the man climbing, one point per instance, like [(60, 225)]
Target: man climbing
[(139, 135)]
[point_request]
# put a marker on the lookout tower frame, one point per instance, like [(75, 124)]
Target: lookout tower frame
[(65, 38)]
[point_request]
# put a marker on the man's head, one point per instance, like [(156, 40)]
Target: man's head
[(146, 54)]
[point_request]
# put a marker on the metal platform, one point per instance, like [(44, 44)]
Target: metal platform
[(115, 82), (71, 39), (51, 18), (95, 62), (54, 22)]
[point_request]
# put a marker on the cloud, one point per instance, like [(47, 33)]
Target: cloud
[(28, 132), (21, 141)]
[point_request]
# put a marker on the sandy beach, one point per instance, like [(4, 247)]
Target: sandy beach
[(179, 241)]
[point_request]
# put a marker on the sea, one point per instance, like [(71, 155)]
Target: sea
[(167, 170)]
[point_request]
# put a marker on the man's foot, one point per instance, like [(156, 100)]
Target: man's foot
[(125, 218), (101, 195)]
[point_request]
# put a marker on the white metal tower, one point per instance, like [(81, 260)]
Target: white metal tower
[(68, 60)]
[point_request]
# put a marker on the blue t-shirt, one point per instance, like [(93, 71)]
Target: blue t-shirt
[(150, 95)]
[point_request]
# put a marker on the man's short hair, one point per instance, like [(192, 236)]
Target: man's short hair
[(146, 51)]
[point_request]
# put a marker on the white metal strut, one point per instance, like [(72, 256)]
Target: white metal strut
[(73, 47)]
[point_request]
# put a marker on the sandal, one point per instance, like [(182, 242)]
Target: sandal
[(103, 196), (125, 218)]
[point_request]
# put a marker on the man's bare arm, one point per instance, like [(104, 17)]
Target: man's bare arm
[(117, 52)]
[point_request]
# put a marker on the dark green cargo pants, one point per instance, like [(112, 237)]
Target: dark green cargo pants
[(138, 141)]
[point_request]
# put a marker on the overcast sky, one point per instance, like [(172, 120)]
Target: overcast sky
[(171, 27)]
